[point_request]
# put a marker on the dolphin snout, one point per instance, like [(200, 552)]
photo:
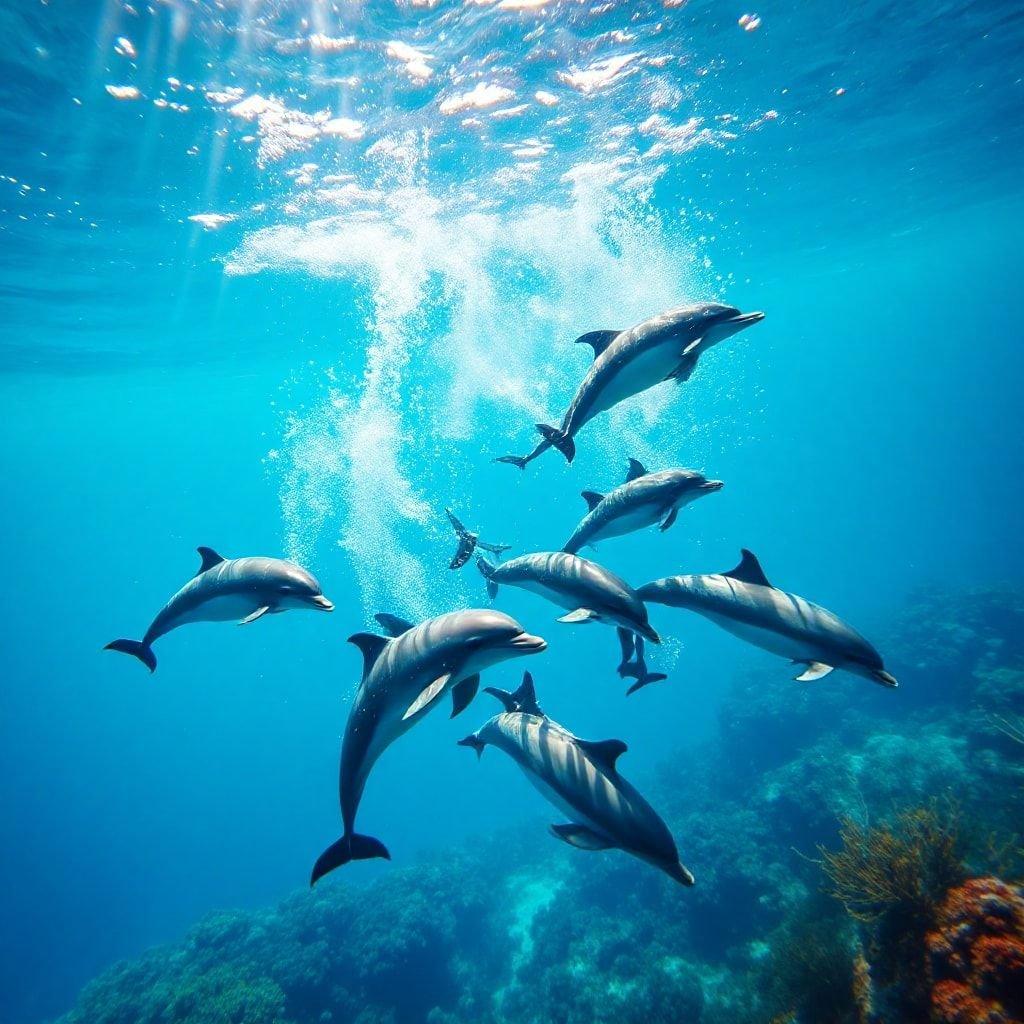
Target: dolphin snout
[(323, 603), (526, 643), (884, 678), (649, 633), (746, 319), (712, 485)]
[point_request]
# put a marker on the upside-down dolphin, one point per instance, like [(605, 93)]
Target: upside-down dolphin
[(581, 779), (589, 592), (664, 347), (468, 543), (229, 588), (743, 602), (643, 500), (404, 676)]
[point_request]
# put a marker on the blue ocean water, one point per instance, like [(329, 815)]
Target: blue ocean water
[(284, 278)]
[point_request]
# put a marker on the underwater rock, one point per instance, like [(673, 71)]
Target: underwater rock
[(977, 955)]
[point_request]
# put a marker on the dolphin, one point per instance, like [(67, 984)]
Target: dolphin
[(581, 779), (589, 592), (743, 602), (643, 500), (404, 676), (468, 543), (229, 588), (626, 363)]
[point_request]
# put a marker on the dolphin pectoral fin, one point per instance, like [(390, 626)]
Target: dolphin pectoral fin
[(598, 340), (579, 615), (208, 559), (581, 837), (429, 694), (592, 498), (686, 365), (815, 670), (487, 571), (692, 347), (604, 752), (669, 520), (463, 694), (258, 614)]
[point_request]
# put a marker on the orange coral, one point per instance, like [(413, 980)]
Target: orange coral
[(977, 955)]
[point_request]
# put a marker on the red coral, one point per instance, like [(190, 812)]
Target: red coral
[(977, 955)]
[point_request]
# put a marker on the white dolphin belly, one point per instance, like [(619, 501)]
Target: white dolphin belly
[(643, 371), (768, 639), (225, 608)]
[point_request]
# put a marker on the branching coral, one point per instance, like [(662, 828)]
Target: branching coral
[(907, 865), (977, 955)]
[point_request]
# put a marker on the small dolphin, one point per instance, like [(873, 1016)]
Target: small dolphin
[(643, 500), (629, 362), (229, 588), (743, 602), (403, 678), (468, 543), (581, 779), (590, 592)]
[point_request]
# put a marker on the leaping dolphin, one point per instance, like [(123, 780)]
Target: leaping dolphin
[(589, 592), (628, 362), (581, 779), (229, 588), (643, 500), (468, 543), (743, 602), (404, 676)]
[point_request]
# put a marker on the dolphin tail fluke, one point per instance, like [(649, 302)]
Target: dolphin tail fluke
[(487, 571), (137, 649), (645, 680), (519, 461), (350, 847), (558, 439)]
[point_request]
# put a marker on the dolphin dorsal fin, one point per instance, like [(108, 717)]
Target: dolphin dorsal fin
[(209, 558), (598, 340), (592, 498), (749, 570), (636, 468), (604, 752), (393, 625), (524, 700), (371, 645)]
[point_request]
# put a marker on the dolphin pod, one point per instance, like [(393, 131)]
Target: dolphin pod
[(626, 363), (581, 778), (245, 589), (744, 603), (407, 672), (404, 676), (589, 593), (643, 500)]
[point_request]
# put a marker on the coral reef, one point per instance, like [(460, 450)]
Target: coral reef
[(889, 923), (977, 955)]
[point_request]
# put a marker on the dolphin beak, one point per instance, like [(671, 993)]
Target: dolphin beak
[(323, 604), (712, 485), (884, 678), (526, 643), (648, 633), (746, 319)]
